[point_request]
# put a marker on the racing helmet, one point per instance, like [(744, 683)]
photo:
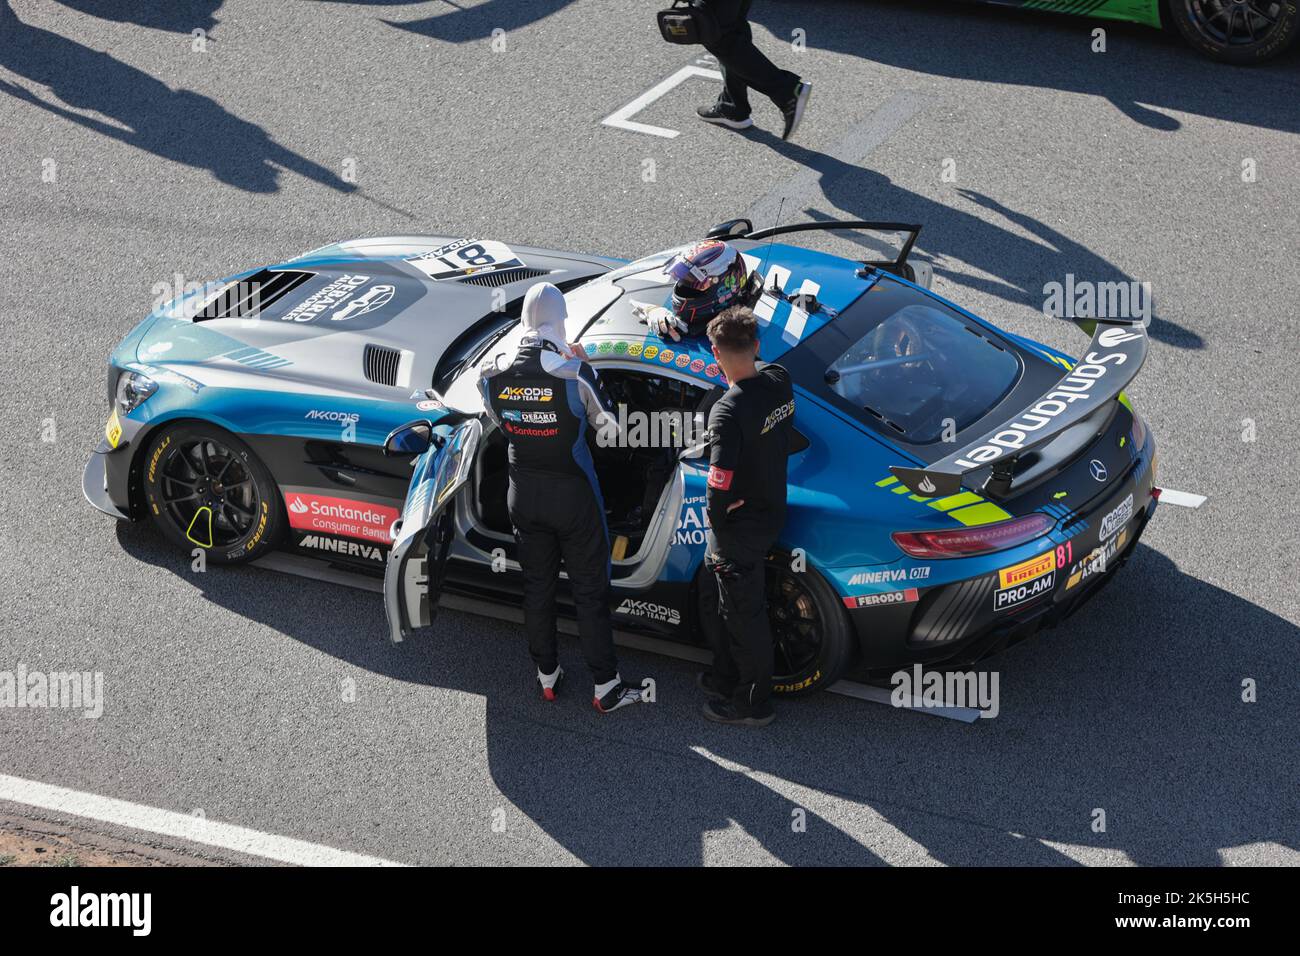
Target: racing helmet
[(710, 277)]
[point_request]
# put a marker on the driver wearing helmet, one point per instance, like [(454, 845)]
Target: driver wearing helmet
[(710, 276)]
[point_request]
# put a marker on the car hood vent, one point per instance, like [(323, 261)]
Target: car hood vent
[(499, 277), (380, 364), (249, 296)]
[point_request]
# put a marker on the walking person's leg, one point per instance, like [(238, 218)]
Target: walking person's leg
[(744, 66)]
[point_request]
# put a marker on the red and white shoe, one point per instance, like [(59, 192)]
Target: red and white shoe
[(620, 695), (550, 683)]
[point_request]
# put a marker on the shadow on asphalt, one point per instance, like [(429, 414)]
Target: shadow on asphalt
[(1132, 706), (1144, 71), (176, 16), (179, 125)]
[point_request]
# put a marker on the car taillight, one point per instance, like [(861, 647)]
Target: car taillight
[(1138, 432), (961, 542)]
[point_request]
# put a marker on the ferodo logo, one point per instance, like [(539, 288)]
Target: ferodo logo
[(525, 393), (887, 597), (340, 516), (1027, 571), (655, 612)]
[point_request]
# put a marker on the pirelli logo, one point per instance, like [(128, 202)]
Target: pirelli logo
[(1029, 570)]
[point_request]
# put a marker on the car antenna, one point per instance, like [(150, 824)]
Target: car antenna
[(770, 239)]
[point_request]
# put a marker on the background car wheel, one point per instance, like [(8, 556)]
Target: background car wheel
[(204, 488), (810, 631), (1236, 31)]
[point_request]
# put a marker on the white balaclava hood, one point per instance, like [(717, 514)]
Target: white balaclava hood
[(544, 312)]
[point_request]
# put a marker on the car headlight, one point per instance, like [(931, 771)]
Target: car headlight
[(132, 389)]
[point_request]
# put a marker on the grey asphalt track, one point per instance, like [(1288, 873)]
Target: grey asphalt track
[(308, 121)]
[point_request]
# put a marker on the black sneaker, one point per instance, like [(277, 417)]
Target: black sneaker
[(552, 691), (716, 114), (793, 111), (706, 682), (725, 712), (622, 694)]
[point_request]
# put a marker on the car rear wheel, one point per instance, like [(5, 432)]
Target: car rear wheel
[(811, 637), (1236, 31), (205, 488)]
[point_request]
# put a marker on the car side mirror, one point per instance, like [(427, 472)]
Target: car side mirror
[(731, 229), (413, 438)]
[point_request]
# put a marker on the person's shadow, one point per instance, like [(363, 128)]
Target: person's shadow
[(1133, 706), (968, 240), (174, 16), (180, 125), (463, 24)]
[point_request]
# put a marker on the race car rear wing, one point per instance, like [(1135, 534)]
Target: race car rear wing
[(744, 229), (1114, 356)]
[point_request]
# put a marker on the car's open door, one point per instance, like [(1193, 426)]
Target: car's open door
[(413, 578)]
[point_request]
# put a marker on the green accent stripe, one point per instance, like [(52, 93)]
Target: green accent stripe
[(984, 513), (956, 501), (886, 482)]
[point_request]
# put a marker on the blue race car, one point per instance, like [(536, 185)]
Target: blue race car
[(953, 488)]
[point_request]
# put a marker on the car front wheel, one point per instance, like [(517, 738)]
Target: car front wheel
[(205, 489)]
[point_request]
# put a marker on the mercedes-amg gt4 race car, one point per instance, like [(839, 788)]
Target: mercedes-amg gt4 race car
[(953, 488)]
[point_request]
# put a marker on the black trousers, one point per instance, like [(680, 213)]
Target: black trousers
[(558, 517), (735, 621), (743, 65)]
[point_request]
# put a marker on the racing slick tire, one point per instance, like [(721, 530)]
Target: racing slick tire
[(1241, 33), (205, 488), (810, 629)]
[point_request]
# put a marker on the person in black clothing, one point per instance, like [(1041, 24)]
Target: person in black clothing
[(543, 398), (750, 434), (744, 66)]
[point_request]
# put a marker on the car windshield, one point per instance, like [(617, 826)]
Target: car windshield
[(922, 371)]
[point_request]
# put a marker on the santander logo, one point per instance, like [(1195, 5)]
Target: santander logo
[(342, 516)]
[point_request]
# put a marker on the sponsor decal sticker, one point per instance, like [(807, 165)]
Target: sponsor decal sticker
[(330, 297), (1018, 594), (1095, 562), (720, 478), (890, 576), (712, 370), (634, 349), (376, 297), (525, 393), (1026, 571), (648, 609), (351, 549), (697, 366), (328, 415), (429, 405), (650, 352), (113, 430), (666, 356), (1116, 518), (340, 516), (885, 597), (531, 432), (683, 360)]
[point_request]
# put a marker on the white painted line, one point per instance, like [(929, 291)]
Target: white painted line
[(1184, 499), (621, 118), (181, 826)]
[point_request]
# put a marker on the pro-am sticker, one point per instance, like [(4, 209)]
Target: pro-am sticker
[(1023, 582), (464, 257)]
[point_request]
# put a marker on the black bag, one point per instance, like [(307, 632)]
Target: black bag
[(689, 21)]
